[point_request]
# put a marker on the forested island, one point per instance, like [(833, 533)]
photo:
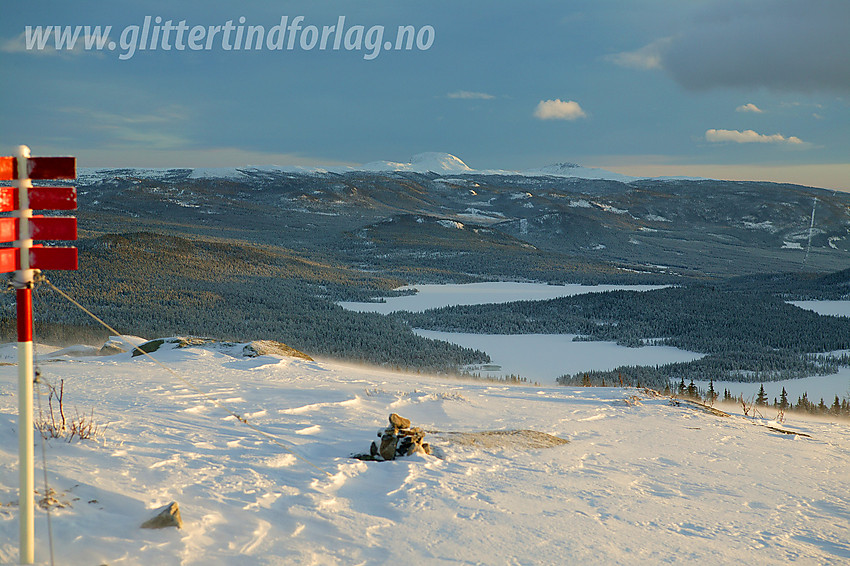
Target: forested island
[(747, 335)]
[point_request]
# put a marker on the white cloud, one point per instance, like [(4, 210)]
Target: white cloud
[(558, 110), (162, 128), (749, 107), (468, 95), (161, 115), (18, 44), (749, 136), (646, 58), (13, 45)]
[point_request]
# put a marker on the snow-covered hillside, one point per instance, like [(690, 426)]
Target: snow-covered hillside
[(641, 481)]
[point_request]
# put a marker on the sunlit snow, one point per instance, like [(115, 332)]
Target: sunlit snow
[(641, 481)]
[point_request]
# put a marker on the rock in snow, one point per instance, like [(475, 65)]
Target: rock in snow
[(271, 347), (398, 421), (112, 347), (249, 350), (168, 516)]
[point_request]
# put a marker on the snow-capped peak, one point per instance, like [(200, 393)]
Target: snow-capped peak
[(431, 161)]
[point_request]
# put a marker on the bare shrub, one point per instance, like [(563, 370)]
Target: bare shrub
[(55, 424)]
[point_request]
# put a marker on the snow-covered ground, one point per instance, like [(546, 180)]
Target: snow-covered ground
[(640, 482), (435, 296)]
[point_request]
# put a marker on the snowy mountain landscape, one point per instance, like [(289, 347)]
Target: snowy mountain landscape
[(473, 303), (404, 283), (197, 250), (641, 479)]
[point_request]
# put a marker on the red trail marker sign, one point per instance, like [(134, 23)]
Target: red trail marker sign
[(24, 258)]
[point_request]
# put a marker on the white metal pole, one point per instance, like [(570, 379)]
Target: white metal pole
[(23, 281), (25, 455)]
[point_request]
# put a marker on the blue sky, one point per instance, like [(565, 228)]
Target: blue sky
[(741, 90)]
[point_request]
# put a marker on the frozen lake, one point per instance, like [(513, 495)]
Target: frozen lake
[(544, 357), (537, 357), (435, 296), (832, 308)]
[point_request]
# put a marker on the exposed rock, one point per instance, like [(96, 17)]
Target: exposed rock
[(405, 447), (168, 516), (388, 448), (266, 347), (415, 433), (111, 347), (398, 421), (250, 350), (152, 346)]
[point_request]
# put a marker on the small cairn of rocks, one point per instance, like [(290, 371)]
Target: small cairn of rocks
[(397, 440)]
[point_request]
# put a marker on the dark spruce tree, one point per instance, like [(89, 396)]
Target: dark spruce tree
[(783, 400), (761, 398), (712, 394)]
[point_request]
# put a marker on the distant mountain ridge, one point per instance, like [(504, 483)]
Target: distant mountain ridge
[(438, 163), (555, 223)]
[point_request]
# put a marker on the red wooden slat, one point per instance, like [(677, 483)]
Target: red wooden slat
[(8, 199), (53, 258), (53, 198), (8, 260), (7, 168), (41, 198), (43, 168), (40, 168), (53, 228), (8, 229)]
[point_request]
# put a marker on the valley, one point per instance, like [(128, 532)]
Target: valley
[(269, 252)]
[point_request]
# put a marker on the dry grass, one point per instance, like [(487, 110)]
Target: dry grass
[(510, 439)]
